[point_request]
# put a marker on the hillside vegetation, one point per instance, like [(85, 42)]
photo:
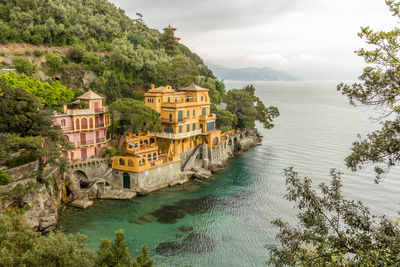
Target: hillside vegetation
[(105, 49)]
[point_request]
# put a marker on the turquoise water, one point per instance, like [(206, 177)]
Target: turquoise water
[(226, 221)]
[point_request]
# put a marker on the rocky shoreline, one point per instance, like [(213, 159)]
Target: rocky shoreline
[(94, 179)]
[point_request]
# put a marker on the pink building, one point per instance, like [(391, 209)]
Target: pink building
[(85, 126)]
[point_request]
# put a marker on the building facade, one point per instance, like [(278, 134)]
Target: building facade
[(187, 122), (85, 125)]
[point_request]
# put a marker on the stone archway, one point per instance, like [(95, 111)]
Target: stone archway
[(82, 178)]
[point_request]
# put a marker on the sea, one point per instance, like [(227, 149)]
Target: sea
[(227, 220)]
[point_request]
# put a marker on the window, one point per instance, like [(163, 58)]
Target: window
[(154, 156), (159, 100), (176, 100), (149, 157), (188, 114), (180, 115), (62, 122), (194, 113), (136, 145), (168, 129), (130, 146), (187, 99), (202, 98), (169, 99), (188, 128), (170, 117), (210, 126), (180, 128), (204, 111), (194, 127)]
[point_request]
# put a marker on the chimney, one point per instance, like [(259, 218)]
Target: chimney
[(64, 109)]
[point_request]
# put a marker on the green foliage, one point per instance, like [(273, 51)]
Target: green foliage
[(143, 260), (113, 253), (38, 53), (108, 152), (4, 178), (136, 115), (23, 65), (180, 71), (51, 94), (226, 120), (248, 108), (76, 54), (19, 110), (20, 246), (20, 160), (169, 43), (10, 143), (331, 230), (379, 88), (54, 62)]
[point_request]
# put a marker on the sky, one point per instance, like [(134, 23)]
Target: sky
[(312, 39)]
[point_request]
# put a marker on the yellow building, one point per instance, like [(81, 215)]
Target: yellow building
[(187, 122)]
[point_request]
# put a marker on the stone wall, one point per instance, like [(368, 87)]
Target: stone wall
[(153, 179), (23, 172)]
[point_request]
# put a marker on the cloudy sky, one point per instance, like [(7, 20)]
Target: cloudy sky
[(312, 39)]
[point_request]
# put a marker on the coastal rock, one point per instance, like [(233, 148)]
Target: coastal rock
[(203, 174), (82, 203)]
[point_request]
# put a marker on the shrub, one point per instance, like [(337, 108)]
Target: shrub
[(4, 178), (28, 53), (76, 54), (37, 53), (2, 54), (23, 65), (20, 160), (54, 61), (109, 152)]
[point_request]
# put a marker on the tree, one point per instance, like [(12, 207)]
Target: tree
[(115, 253), (169, 43), (137, 116), (54, 62), (180, 71), (226, 120), (21, 246), (331, 230), (379, 87), (53, 94), (19, 110), (23, 65), (4, 178), (248, 108), (50, 151), (143, 260)]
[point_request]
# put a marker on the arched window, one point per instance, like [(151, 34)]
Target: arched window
[(168, 129), (202, 98), (90, 123), (149, 157), (121, 161), (84, 123), (154, 156), (188, 114), (77, 125), (62, 122)]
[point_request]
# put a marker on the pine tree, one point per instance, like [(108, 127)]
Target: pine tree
[(143, 260)]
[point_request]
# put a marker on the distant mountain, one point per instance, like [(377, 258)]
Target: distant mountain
[(251, 74)]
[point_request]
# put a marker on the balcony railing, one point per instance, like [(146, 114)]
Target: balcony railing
[(177, 136), (69, 128), (100, 125), (89, 142)]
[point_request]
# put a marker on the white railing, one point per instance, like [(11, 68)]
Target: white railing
[(177, 136)]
